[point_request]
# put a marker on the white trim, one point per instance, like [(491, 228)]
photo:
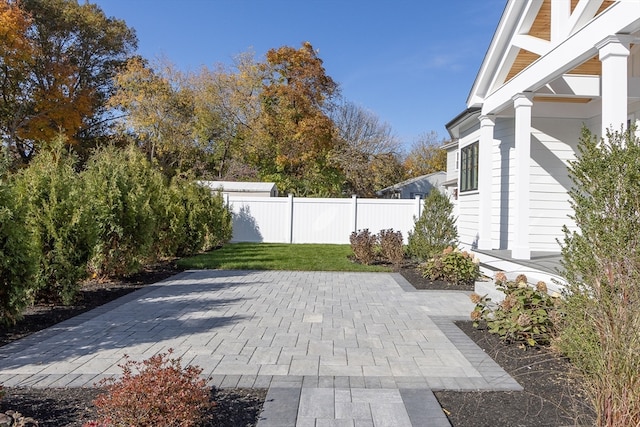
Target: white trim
[(620, 17)]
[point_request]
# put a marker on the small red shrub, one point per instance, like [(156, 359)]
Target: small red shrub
[(161, 394)]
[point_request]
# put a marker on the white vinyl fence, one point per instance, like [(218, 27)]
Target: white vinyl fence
[(310, 220)]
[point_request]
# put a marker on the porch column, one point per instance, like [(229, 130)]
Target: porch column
[(614, 51), (520, 247), (485, 178)]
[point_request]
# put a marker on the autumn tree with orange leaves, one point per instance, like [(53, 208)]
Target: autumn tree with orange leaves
[(57, 58), (295, 136)]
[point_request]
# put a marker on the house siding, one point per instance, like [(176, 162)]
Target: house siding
[(467, 222), (469, 201)]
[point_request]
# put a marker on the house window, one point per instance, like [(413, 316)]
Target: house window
[(469, 167)]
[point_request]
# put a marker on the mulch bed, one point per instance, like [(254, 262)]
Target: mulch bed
[(551, 396)]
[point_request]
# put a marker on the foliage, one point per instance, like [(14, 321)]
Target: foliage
[(452, 266), (602, 267), (426, 156), (435, 229), (56, 212), (294, 135), (391, 246), (278, 256), (159, 109), (57, 69), (155, 392), (201, 221), (226, 108), (124, 191), (363, 246), (366, 151), (18, 257), (527, 315)]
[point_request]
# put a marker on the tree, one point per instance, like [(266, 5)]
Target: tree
[(227, 105), (426, 156), (56, 72), (601, 261), (435, 229), (159, 109), (294, 134), (366, 150)]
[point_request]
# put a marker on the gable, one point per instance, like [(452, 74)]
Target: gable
[(529, 30)]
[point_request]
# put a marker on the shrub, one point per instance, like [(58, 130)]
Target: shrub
[(526, 315), (452, 266), (193, 219), (435, 229), (124, 191), (18, 257), (162, 394), (602, 268), (51, 193), (363, 246), (391, 246)]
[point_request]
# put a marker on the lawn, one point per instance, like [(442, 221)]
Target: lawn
[(278, 256)]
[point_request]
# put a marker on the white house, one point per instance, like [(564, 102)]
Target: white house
[(553, 66), (419, 186)]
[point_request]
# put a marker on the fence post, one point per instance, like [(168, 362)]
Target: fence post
[(354, 212), (418, 206), (289, 219)]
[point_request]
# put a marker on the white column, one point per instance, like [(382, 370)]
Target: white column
[(614, 51), (485, 177), (520, 247)]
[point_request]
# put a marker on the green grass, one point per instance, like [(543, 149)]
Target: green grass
[(278, 256)]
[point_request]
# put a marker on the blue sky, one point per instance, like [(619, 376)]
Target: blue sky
[(411, 62)]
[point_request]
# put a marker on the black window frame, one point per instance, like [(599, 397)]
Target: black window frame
[(469, 167)]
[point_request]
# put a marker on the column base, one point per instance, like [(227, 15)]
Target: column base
[(485, 244), (521, 253)]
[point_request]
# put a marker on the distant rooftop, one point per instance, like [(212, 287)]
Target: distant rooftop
[(240, 187)]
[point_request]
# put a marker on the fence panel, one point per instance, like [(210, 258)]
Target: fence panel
[(317, 220), (381, 214), (322, 220)]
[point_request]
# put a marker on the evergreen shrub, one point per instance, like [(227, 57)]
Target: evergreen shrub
[(51, 193), (18, 257), (435, 229), (124, 191)]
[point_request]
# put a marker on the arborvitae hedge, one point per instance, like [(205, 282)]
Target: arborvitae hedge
[(57, 223)]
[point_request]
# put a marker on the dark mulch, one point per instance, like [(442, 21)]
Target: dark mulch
[(551, 397), (414, 276)]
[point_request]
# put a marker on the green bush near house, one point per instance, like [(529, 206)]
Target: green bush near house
[(435, 229), (527, 315), (600, 331), (452, 266)]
